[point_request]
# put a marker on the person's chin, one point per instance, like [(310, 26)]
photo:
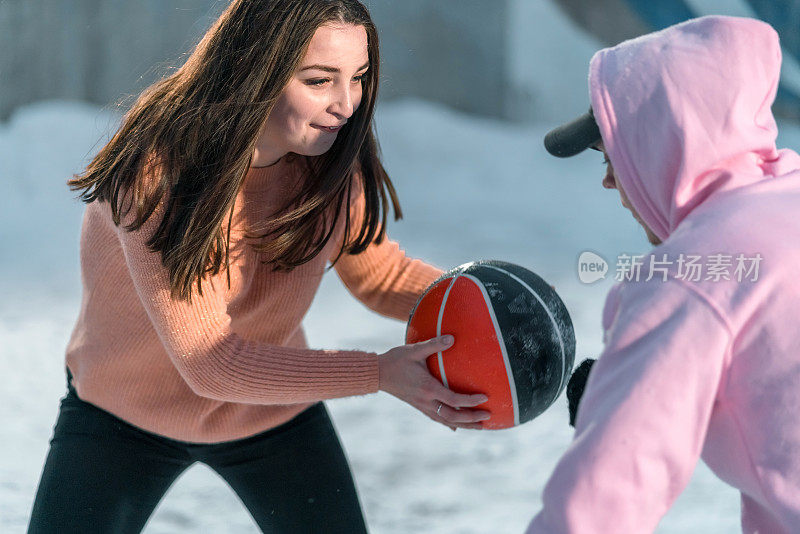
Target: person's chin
[(318, 148), (652, 238)]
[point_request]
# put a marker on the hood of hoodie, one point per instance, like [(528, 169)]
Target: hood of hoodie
[(685, 113)]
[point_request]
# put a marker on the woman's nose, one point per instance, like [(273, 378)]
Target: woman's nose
[(342, 104), (609, 182)]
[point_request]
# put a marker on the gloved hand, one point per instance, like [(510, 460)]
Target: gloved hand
[(575, 387)]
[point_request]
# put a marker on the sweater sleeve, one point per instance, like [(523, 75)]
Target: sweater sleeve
[(644, 415), (217, 363), (383, 277)]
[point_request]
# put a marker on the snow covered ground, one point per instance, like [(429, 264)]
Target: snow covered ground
[(471, 189)]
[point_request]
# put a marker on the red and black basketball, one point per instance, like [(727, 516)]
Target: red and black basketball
[(514, 339)]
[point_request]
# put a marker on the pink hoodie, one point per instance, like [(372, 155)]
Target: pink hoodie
[(693, 367)]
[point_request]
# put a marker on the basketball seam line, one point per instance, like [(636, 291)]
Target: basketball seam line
[(439, 328), (552, 319), (512, 385)]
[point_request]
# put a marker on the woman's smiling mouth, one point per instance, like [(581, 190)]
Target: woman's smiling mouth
[(328, 129)]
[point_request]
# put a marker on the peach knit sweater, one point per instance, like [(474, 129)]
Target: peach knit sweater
[(234, 362)]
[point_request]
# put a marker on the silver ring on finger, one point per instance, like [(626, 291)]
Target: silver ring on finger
[(439, 409)]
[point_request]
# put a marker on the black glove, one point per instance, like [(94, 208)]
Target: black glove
[(575, 387)]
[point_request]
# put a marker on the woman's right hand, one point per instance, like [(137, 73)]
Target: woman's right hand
[(404, 374)]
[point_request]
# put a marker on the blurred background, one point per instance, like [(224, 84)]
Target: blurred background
[(469, 87), (510, 59)]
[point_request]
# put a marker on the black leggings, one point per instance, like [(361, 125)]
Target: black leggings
[(107, 476)]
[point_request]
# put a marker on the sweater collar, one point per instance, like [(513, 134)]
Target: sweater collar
[(261, 178)]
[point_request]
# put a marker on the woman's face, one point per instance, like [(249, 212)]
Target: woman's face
[(610, 181), (322, 95)]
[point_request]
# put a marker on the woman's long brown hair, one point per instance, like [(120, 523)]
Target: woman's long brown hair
[(198, 128)]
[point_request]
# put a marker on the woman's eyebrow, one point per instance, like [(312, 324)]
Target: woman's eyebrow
[(327, 68)]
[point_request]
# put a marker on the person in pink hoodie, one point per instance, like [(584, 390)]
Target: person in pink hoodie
[(702, 354)]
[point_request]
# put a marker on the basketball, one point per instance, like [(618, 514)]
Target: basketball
[(514, 340)]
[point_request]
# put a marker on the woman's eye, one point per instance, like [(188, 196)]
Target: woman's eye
[(360, 77), (317, 81)]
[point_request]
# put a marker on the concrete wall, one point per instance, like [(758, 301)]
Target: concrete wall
[(611, 21), (548, 63), (104, 50), (95, 50), (450, 51)]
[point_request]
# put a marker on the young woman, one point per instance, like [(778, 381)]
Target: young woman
[(211, 217)]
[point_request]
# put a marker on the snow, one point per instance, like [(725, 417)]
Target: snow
[(471, 189)]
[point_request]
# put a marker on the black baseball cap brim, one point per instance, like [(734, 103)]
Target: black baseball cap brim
[(573, 137)]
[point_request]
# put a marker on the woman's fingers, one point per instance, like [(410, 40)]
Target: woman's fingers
[(454, 409), (454, 426), (452, 416), (460, 400), (423, 349), (449, 424), (404, 374), (457, 400), (470, 426)]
